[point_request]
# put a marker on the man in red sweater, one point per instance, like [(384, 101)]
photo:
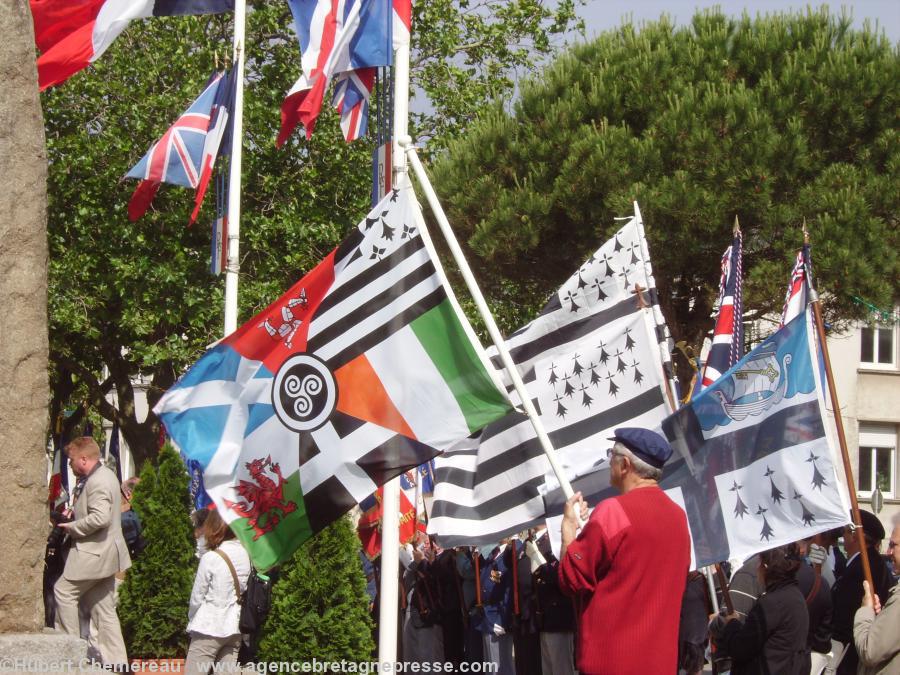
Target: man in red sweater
[(628, 566)]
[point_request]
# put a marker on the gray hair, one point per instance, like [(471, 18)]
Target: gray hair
[(641, 468)]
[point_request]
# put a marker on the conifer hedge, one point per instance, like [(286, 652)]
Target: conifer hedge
[(319, 603), (153, 600)]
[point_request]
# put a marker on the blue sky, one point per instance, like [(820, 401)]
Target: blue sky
[(600, 15)]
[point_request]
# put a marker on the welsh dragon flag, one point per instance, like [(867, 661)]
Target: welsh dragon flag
[(361, 371)]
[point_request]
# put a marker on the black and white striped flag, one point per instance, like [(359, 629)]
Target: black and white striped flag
[(595, 359)]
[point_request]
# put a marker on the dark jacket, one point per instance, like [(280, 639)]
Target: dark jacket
[(772, 640), (818, 601), (553, 610), (846, 597)]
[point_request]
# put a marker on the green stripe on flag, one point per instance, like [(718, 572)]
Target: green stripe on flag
[(449, 348), (288, 529)]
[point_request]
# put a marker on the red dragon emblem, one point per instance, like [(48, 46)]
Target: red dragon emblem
[(264, 497)]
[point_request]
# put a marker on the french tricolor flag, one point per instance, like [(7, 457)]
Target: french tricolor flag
[(340, 37), (71, 34)]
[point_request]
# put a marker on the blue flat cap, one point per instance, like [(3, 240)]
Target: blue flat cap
[(644, 444)]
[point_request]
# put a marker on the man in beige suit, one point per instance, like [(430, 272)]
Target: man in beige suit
[(98, 551)]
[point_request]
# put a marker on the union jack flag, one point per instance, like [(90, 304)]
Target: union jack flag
[(728, 337), (351, 98), (796, 298), (177, 157)]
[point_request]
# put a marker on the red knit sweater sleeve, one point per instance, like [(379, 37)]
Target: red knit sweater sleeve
[(588, 558)]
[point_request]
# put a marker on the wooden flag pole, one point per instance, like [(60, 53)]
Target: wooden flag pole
[(838, 419), (232, 262), (485, 313)]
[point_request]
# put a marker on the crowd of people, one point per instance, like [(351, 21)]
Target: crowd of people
[(620, 598)]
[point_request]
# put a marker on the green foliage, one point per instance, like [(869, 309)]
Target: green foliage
[(775, 119), (319, 603), (137, 297), (466, 53), (153, 600)]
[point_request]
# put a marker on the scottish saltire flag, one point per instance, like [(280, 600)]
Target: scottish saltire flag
[(220, 125), (728, 336), (754, 466), (351, 99), (797, 296), (591, 362), (73, 33), (336, 36), (177, 157), (361, 371)]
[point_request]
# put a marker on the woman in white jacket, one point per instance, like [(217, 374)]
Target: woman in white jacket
[(215, 610)]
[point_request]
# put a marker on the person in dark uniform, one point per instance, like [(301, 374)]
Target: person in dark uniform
[(554, 613), (450, 605), (526, 640), (494, 621), (847, 593), (465, 568)]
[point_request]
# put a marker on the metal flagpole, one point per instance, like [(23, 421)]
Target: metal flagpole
[(406, 143), (390, 505), (232, 262)]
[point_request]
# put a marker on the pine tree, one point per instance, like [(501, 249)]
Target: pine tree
[(319, 603), (153, 601), (775, 118)]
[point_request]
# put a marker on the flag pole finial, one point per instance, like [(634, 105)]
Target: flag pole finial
[(736, 230), (805, 231)]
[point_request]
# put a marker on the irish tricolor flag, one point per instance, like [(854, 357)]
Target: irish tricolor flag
[(361, 371)]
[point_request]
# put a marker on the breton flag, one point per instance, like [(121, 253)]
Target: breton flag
[(754, 464), (179, 157), (361, 371), (796, 298), (338, 36), (71, 34), (591, 362), (728, 336)]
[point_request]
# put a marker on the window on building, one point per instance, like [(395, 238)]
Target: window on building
[(877, 459), (877, 345)]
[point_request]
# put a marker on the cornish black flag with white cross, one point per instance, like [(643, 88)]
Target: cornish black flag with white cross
[(754, 467), (361, 371), (591, 362)]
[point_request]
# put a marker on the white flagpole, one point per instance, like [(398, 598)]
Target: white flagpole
[(232, 261), (484, 311), (390, 515)]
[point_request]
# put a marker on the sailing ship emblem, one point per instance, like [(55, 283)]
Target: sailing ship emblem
[(758, 385)]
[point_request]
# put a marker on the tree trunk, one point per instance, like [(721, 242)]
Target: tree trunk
[(23, 324)]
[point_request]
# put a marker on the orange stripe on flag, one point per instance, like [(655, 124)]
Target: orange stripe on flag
[(361, 394)]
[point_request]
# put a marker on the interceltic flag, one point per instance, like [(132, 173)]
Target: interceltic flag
[(361, 371)]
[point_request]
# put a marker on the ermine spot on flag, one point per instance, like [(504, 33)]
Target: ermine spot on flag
[(361, 371)]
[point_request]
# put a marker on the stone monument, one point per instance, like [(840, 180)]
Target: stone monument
[(23, 325)]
